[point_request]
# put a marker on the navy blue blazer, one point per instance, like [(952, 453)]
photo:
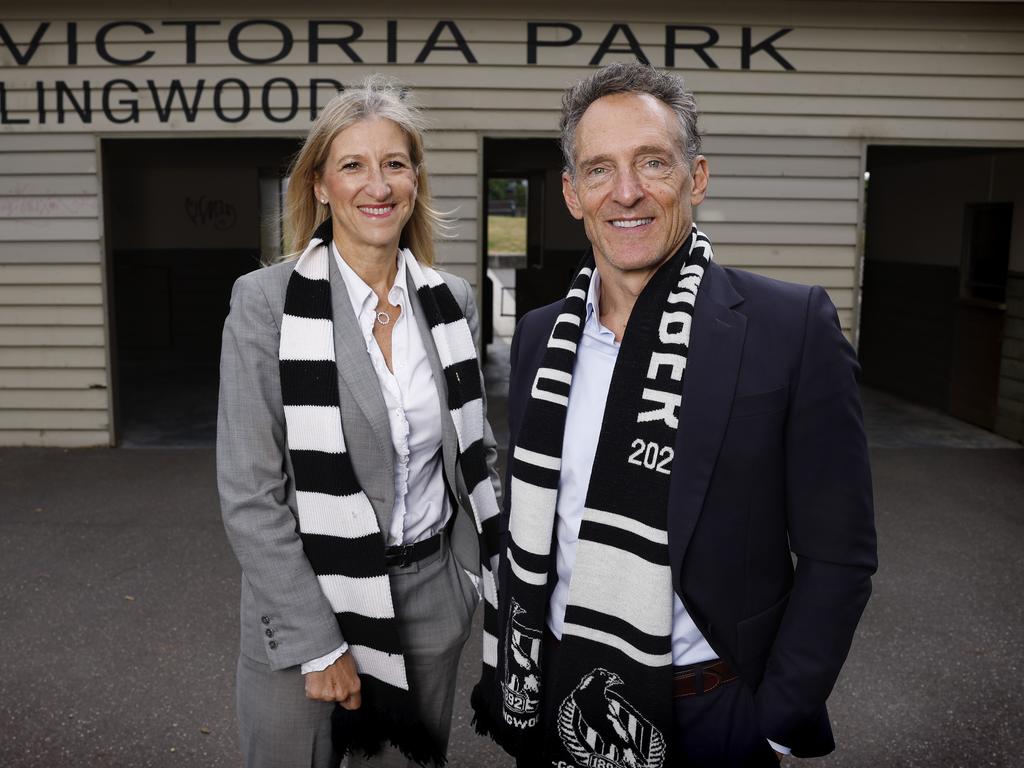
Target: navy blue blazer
[(771, 461)]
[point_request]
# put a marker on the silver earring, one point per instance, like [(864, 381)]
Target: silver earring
[(324, 201)]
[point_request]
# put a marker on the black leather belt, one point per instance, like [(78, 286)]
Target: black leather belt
[(404, 555)]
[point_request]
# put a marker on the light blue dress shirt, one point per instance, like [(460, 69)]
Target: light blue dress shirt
[(595, 361)]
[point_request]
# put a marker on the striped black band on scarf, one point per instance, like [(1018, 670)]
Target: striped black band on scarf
[(304, 383), (322, 472)]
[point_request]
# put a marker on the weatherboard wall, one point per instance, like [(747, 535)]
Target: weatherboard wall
[(791, 95)]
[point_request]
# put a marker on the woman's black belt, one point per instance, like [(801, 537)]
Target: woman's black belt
[(404, 555)]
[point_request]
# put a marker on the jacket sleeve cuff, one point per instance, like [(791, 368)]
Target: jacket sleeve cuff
[(319, 665)]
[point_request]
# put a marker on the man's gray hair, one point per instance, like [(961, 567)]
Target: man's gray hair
[(632, 77)]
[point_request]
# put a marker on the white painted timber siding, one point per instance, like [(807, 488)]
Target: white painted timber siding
[(453, 164), (787, 208), (53, 359), (786, 146)]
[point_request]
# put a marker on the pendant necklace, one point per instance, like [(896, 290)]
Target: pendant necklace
[(383, 317)]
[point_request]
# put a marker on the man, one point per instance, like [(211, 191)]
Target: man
[(679, 431)]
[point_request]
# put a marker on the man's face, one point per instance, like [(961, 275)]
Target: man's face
[(633, 189)]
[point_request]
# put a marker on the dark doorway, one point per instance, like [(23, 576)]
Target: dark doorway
[(943, 244), (184, 218), (531, 243)]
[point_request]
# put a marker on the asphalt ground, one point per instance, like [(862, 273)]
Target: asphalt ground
[(119, 593)]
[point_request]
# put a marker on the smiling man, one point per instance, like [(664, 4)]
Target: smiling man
[(682, 433)]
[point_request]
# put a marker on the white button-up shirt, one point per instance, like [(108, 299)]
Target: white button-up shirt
[(414, 408)]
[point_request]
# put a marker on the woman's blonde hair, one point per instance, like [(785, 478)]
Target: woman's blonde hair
[(376, 97)]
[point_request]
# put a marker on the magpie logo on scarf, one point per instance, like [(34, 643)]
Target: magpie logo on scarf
[(609, 703), (339, 530)]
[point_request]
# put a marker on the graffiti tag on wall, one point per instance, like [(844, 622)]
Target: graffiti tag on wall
[(213, 213)]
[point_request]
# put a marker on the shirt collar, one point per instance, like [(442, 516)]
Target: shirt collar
[(361, 295), (592, 324), (594, 296), (398, 294)]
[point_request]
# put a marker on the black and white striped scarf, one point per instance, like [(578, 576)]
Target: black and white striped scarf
[(609, 703), (340, 533)]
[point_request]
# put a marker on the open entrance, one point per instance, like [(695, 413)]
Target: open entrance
[(532, 244), (184, 218), (944, 281)]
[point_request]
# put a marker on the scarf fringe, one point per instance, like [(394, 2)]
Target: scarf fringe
[(480, 701), (369, 729), (525, 746)]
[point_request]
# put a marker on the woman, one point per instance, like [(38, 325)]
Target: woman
[(354, 459)]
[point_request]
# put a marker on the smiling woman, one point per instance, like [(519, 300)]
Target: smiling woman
[(369, 184), (339, 138), (352, 364)]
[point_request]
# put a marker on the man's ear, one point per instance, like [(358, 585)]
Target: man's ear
[(699, 172), (572, 201)]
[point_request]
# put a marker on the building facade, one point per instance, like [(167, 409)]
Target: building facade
[(874, 148)]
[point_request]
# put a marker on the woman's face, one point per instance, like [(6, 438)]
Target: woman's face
[(369, 183)]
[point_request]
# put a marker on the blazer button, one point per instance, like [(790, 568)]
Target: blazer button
[(272, 644), (270, 633), (265, 619)]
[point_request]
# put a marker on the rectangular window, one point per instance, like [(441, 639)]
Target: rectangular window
[(506, 220)]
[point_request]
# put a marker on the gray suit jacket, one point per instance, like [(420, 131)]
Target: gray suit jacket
[(285, 618)]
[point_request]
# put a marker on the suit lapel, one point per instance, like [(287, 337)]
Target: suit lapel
[(449, 438), (357, 377), (712, 369)]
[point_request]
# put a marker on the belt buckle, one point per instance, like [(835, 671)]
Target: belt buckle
[(398, 556)]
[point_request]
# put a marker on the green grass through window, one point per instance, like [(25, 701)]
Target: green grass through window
[(506, 234)]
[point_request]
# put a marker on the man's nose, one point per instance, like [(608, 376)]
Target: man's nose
[(628, 187)]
